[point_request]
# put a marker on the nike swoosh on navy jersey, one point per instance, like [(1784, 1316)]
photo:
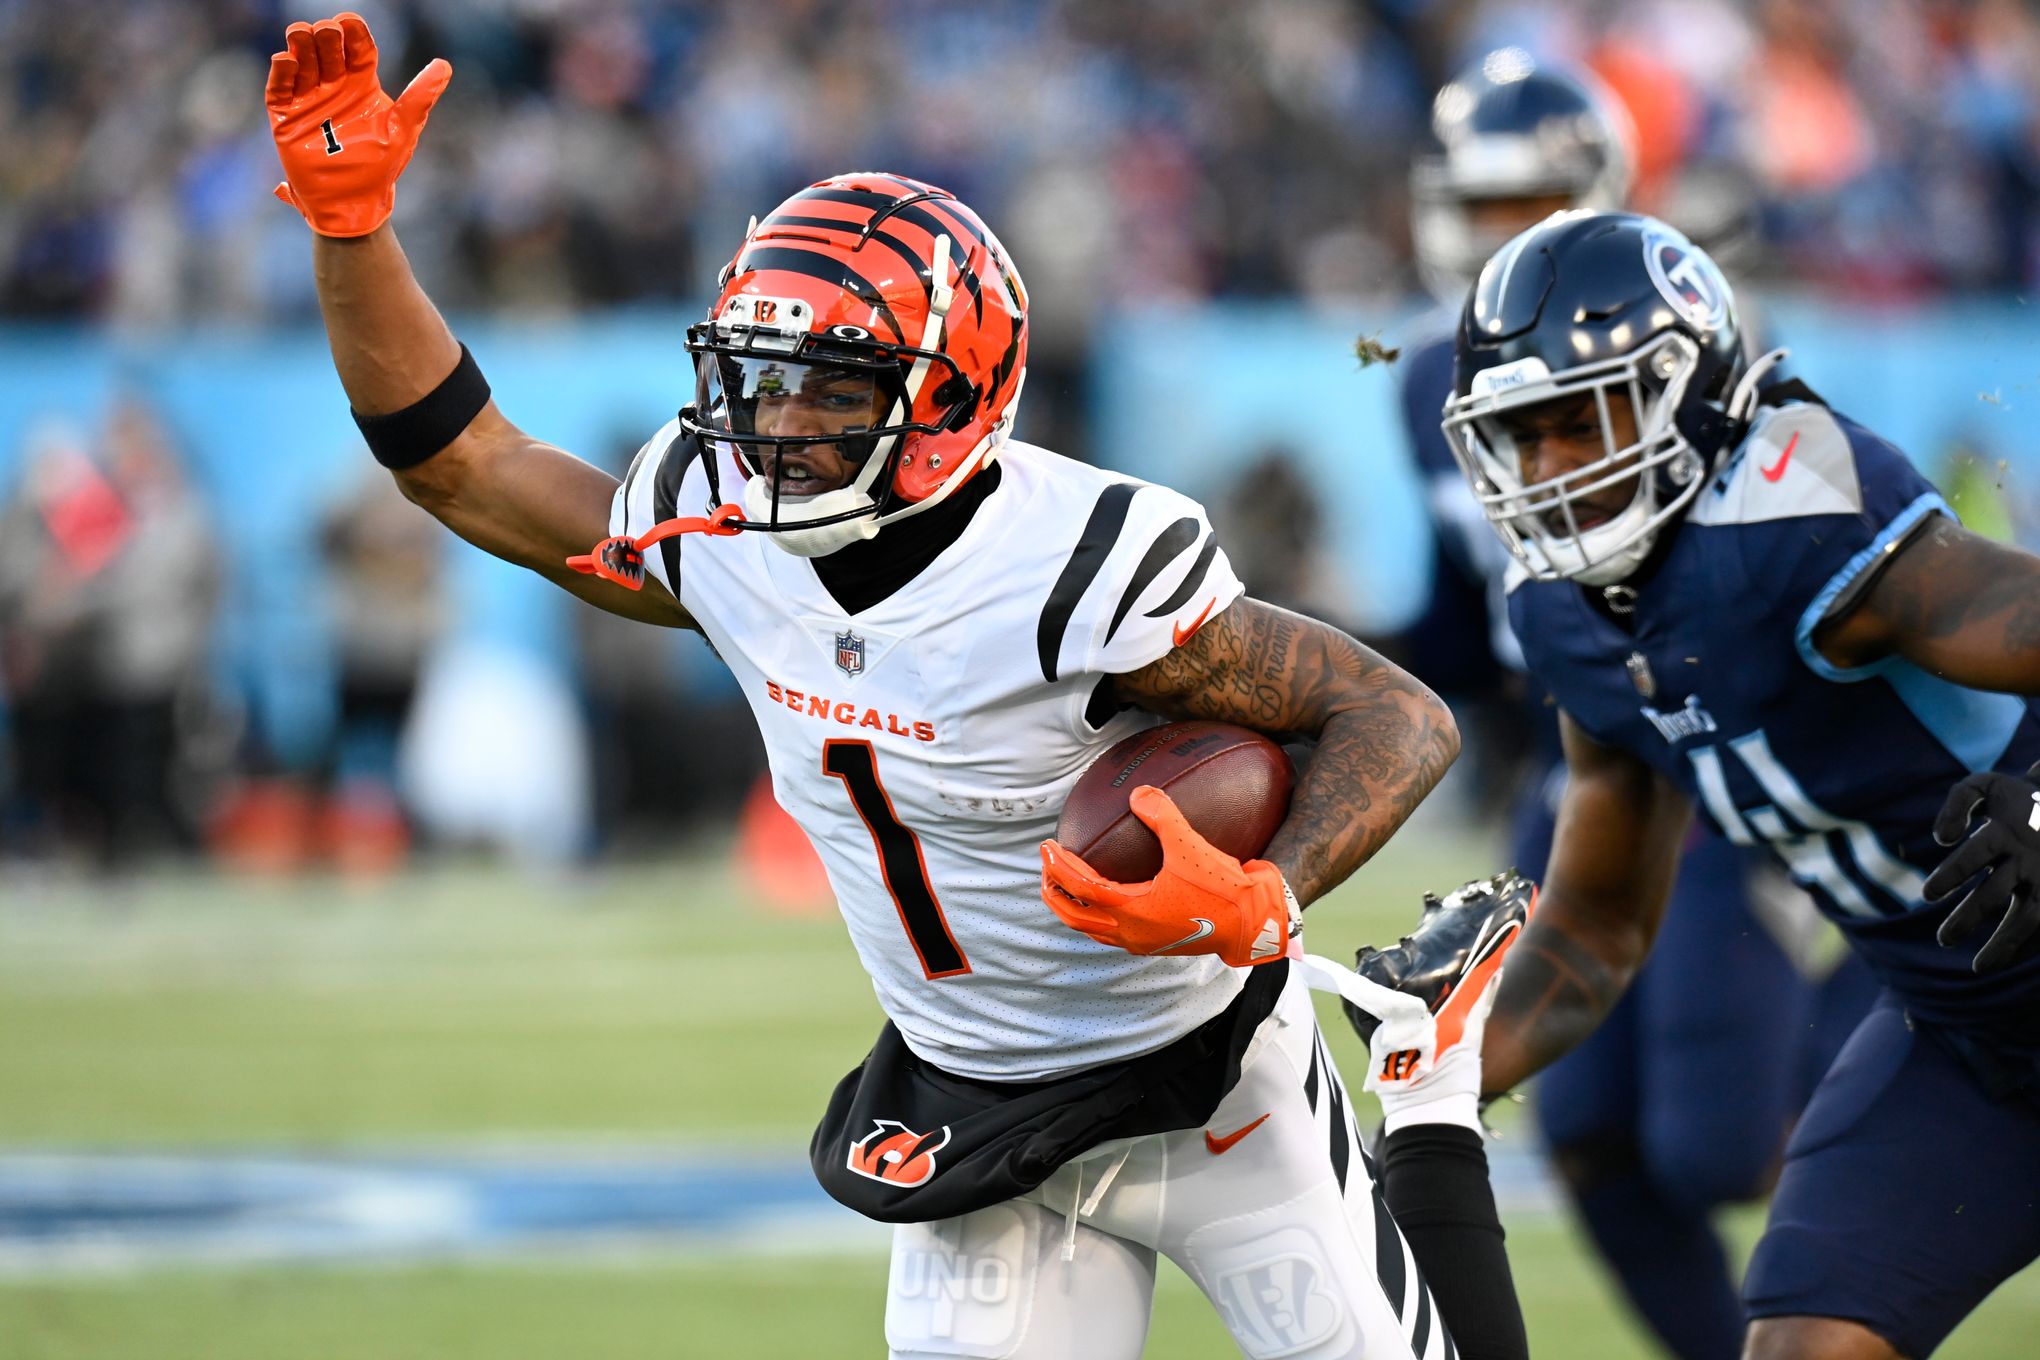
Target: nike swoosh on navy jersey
[(1777, 469)]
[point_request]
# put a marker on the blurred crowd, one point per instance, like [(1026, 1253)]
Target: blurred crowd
[(589, 155), (108, 588), (611, 151), (128, 736)]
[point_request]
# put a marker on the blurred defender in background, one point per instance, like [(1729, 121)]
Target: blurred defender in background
[(1736, 993)]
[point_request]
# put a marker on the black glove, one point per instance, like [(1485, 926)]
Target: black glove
[(2006, 849)]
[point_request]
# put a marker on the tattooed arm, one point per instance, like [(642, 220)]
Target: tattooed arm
[(1613, 858), (1383, 740), (1951, 602)]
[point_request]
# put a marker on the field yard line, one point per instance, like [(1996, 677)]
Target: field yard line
[(65, 1212)]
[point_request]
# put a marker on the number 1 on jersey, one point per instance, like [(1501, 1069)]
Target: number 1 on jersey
[(899, 857)]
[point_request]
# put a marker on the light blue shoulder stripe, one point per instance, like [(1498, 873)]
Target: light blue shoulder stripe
[(1974, 725), (1926, 505)]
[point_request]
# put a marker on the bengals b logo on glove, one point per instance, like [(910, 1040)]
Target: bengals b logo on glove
[(343, 141)]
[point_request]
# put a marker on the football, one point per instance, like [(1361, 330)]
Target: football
[(1232, 785)]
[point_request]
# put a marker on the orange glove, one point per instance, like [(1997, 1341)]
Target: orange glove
[(1202, 902), (343, 141)]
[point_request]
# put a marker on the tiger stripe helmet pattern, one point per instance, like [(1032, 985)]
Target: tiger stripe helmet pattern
[(889, 276)]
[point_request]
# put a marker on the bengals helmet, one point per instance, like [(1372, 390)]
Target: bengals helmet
[(884, 300), (1617, 307), (1506, 129)]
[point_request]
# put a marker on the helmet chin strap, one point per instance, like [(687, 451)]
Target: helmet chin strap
[(1618, 564), (1742, 403), (821, 539), (986, 450)]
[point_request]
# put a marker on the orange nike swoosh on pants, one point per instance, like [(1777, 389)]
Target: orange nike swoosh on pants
[(1221, 1146)]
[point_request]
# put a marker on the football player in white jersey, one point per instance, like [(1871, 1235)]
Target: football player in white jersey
[(938, 628)]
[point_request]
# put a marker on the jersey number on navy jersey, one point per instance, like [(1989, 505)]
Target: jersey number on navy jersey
[(1809, 853), (899, 857)]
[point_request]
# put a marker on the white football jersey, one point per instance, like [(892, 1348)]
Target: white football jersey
[(927, 743)]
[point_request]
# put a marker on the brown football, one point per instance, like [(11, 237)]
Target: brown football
[(1232, 785)]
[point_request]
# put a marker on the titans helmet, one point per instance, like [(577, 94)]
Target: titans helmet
[(1507, 130), (1611, 307)]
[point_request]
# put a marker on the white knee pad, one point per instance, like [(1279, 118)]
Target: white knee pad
[(1278, 1294), (1292, 1282), (963, 1286)]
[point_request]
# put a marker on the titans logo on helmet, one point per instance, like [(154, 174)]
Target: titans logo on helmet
[(1687, 278)]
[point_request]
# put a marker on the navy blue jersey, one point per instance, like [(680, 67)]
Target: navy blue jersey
[(1714, 681)]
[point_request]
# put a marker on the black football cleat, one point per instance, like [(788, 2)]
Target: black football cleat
[(1455, 939)]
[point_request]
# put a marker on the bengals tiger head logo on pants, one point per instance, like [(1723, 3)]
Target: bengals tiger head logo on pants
[(895, 1154)]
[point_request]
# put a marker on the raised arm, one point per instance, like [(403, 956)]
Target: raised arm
[(1953, 603), (1383, 739), (1613, 858), (343, 143)]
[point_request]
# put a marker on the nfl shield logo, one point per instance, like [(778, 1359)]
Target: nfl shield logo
[(849, 653)]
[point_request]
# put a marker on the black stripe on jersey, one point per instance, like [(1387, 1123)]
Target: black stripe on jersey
[(1421, 1336), (1451, 1351), (816, 265), (637, 464), (1388, 1249), (1103, 703), (1101, 531), (1191, 579), (1310, 1080), (1160, 553), (666, 497)]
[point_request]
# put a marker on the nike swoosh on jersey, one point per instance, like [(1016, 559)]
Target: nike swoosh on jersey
[(1183, 634), (1220, 1146), (1204, 928), (1777, 469)]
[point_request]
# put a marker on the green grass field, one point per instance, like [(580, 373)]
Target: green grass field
[(468, 1004)]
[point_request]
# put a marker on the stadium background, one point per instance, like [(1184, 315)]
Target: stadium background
[(386, 966)]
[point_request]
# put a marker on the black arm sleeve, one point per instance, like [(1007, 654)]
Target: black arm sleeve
[(1435, 1178)]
